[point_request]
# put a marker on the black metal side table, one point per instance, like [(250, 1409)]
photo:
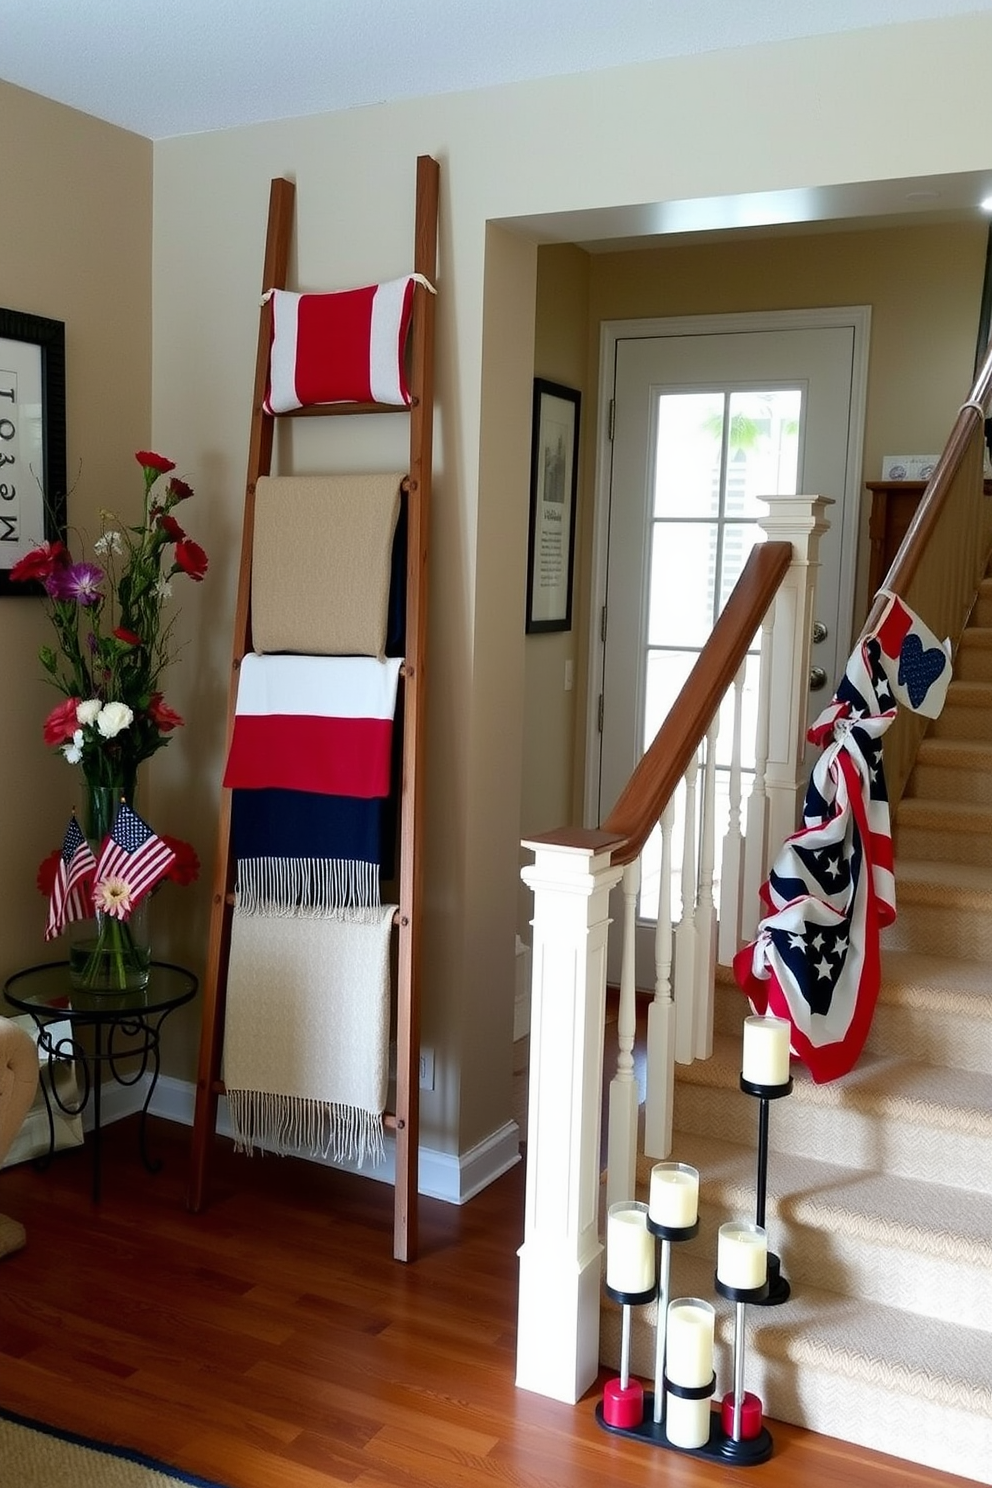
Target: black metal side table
[(126, 1027)]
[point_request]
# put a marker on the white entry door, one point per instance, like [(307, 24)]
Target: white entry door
[(709, 415)]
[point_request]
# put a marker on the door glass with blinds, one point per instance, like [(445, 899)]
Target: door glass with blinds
[(716, 452)]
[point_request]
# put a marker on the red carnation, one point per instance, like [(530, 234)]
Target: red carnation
[(148, 460), (164, 717), (62, 723), (178, 490), (40, 563), (48, 872), (191, 558), (171, 527), (127, 635), (186, 865)]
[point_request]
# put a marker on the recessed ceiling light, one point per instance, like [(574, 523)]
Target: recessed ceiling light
[(986, 205)]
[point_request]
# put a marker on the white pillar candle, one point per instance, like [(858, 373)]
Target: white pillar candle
[(689, 1352), (674, 1195), (630, 1249), (687, 1422), (742, 1256), (766, 1050)]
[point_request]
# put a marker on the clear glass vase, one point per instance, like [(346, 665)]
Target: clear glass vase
[(107, 954)]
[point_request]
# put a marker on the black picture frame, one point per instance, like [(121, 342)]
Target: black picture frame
[(554, 472), (32, 439)]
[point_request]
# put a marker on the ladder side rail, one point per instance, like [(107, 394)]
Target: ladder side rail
[(414, 720)]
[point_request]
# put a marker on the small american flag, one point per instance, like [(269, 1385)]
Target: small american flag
[(134, 853), (72, 891)]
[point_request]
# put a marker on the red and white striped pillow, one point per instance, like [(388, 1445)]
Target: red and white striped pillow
[(346, 347)]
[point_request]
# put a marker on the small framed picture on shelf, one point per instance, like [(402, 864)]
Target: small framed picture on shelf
[(553, 483), (32, 439)]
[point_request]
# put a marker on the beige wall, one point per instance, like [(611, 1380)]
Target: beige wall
[(613, 138), (75, 229)]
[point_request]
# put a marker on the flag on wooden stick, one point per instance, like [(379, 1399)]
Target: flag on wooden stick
[(72, 890), (133, 853)]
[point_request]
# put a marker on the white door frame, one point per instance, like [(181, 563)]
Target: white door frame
[(858, 317)]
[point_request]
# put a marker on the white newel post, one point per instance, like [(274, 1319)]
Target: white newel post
[(559, 1297), (801, 521)]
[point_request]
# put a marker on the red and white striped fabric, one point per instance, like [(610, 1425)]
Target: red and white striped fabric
[(346, 347), (314, 723)]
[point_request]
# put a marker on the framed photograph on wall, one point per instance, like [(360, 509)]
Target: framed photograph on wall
[(553, 480), (32, 439)]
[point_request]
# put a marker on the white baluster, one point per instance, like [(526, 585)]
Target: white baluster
[(622, 1137), (732, 856), (661, 1014), (705, 959), (685, 931), (756, 845)]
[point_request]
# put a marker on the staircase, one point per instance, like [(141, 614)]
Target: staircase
[(879, 1185)]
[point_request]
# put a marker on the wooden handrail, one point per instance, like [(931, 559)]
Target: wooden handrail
[(659, 771), (933, 501)]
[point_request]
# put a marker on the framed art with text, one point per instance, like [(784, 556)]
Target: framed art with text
[(32, 439), (553, 481)]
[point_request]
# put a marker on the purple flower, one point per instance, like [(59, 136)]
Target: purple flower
[(81, 582)]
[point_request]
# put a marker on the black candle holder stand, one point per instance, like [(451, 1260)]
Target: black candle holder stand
[(720, 1446), (778, 1287)]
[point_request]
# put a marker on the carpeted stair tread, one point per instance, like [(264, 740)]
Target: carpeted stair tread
[(878, 1085), (859, 1339), (968, 885), (957, 816), (937, 1220), (969, 694), (959, 754), (942, 984)]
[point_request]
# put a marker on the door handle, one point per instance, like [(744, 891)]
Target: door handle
[(817, 679), (820, 632)]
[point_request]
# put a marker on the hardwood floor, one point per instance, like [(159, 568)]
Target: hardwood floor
[(272, 1342)]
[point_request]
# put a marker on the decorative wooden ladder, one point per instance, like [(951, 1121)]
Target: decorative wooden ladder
[(404, 1119)]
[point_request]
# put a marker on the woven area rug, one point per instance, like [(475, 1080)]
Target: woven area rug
[(36, 1456)]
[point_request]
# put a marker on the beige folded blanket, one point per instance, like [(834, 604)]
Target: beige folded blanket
[(306, 1038), (321, 553)]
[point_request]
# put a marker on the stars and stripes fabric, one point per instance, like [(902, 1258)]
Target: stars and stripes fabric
[(132, 852), (72, 892), (816, 959)]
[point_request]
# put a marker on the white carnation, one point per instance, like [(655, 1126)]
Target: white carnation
[(74, 751), (113, 717), (86, 712)]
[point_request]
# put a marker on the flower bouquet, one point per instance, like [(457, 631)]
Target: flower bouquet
[(114, 641)]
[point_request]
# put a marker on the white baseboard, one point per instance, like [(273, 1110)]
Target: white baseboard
[(452, 1178)]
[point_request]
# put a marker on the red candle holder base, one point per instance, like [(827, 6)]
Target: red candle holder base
[(719, 1447), (750, 1415), (623, 1408)]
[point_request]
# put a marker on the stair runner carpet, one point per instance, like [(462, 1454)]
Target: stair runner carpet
[(879, 1197)]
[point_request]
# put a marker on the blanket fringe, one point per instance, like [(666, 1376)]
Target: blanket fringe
[(294, 1125), (308, 886)]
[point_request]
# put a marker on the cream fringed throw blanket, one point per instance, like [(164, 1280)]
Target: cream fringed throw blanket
[(306, 1042)]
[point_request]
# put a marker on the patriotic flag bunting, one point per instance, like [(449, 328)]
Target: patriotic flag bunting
[(831, 890), (72, 891), (134, 853)]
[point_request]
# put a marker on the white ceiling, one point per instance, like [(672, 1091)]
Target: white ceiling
[(169, 67)]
